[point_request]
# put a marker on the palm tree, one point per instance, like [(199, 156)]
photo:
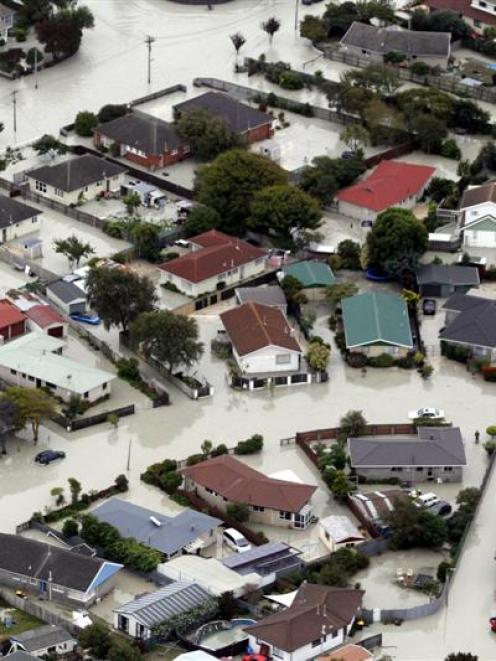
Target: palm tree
[(271, 26), (238, 42)]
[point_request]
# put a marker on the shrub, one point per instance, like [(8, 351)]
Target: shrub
[(250, 446), (455, 352), (70, 528), (291, 80), (121, 483), (20, 34), (491, 431), (335, 262), (220, 449), (490, 447), (85, 123), (340, 567), (384, 360), (238, 511), (426, 371), (406, 362), (128, 369), (420, 69), (442, 570), (340, 340), (170, 482), (194, 459), (356, 359), (318, 355), (449, 149)]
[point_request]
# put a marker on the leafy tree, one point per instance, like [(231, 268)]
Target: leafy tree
[(339, 17), (376, 78), (132, 201), (313, 28), (230, 183), (327, 175), (396, 234), (293, 290), (145, 239), (58, 494), (337, 456), (429, 132), (349, 251), (34, 56), (415, 526), (442, 20), (9, 418), (201, 219), (228, 605), (335, 293), (60, 36), (491, 431), (283, 207), (271, 26), (352, 424), (96, 639), (171, 339), (85, 123), (73, 249), (32, 407), (47, 143), (111, 111), (74, 407), (170, 482), (238, 511), (75, 488), (355, 137), (70, 528), (118, 296), (318, 355), (123, 650), (206, 134), (469, 115), (340, 485), (206, 447), (238, 41)]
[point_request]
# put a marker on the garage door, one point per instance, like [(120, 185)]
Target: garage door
[(58, 331)]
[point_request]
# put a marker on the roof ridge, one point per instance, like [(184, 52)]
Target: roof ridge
[(255, 306)]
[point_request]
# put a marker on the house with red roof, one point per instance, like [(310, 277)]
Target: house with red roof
[(214, 261), (43, 318), (12, 321), (391, 184)]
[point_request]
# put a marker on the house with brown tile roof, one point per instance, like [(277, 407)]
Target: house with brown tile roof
[(318, 620), (262, 339), (223, 480), (215, 260)]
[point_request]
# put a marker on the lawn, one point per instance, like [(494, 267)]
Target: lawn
[(23, 621)]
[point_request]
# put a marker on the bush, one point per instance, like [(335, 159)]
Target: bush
[(455, 352), (491, 431), (170, 482), (220, 449), (356, 359), (85, 123), (384, 360), (449, 149), (340, 567), (442, 570), (340, 340), (121, 483), (70, 528), (194, 459), (335, 262), (420, 69), (252, 445), (128, 369), (291, 80), (20, 34), (426, 371), (238, 511)]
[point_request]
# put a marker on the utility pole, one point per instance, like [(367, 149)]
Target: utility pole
[(296, 16), (35, 68), (149, 41), (14, 108)]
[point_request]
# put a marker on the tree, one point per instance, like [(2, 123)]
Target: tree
[(206, 447), (318, 355), (337, 456), (8, 421), (61, 37), (118, 296), (271, 26), (491, 431), (70, 528), (293, 290), (145, 239), (74, 407), (340, 485), (96, 639), (442, 20), (238, 511), (32, 406), (201, 219), (238, 41), (349, 251), (429, 132), (73, 249), (229, 184), (282, 208), (75, 488), (111, 111), (122, 650), (415, 526), (352, 424), (355, 137), (171, 339), (376, 78), (34, 56), (206, 134), (335, 293), (396, 234), (170, 482), (85, 123), (132, 201), (313, 28), (469, 498), (461, 656), (58, 494), (47, 143), (327, 175)]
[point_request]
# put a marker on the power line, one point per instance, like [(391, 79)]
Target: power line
[(149, 41)]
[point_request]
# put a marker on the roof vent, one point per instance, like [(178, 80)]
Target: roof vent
[(155, 522)]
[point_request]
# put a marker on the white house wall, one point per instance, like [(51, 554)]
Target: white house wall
[(87, 192), (265, 360), (303, 653), (479, 239), (21, 228)]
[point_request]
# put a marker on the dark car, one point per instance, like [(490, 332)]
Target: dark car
[(47, 456), (429, 306), (442, 508), (348, 155)]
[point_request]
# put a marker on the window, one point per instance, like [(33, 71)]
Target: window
[(39, 185), (482, 3), (257, 508), (13, 372), (419, 469), (31, 378), (34, 220), (448, 469), (86, 189), (277, 652), (99, 183), (316, 643), (86, 395), (286, 516), (396, 469), (283, 358), (51, 385), (104, 387), (477, 24), (208, 490), (59, 192), (260, 260)]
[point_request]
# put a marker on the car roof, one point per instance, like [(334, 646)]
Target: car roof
[(234, 533)]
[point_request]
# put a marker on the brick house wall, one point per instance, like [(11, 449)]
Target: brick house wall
[(15, 330), (150, 161), (259, 133)]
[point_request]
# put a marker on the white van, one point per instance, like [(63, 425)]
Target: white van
[(235, 540), (428, 499)]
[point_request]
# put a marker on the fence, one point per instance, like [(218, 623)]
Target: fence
[(82, 423), (38, 611), (157, 95), (20, 262), (445, 82)]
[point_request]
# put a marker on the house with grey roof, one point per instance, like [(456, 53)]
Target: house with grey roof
[(139, 617), (470, 323), (187, 532), (67, 296), (17, 219), (143, 139), (42, 640), (337, 531), (373, 43), (435, 453), (77, 179), (54, 573), (445, 279), (21, 656), (271, 295), (270, 561)]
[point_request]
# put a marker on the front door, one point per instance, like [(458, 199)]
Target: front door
[(4, 236)]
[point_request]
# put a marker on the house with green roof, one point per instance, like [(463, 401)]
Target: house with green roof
[(377, 323), (315, 276)]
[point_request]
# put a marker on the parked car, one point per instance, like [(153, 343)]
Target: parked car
[(47, 456), (426, 500), (434, 414), (429, 306), (92, 319), (348, 155), (235, 540), (442, 508)]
